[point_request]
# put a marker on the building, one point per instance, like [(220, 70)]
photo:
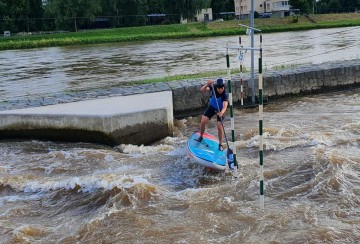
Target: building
[(7, 33), (205, 15), (277, 8)]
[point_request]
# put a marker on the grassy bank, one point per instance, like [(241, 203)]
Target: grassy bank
[(178, 31)]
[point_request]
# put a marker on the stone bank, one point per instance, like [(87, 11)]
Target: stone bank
[(187, 100)]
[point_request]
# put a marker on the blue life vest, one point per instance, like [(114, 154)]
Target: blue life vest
[(213, 102)]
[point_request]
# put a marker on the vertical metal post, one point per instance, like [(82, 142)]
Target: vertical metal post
[(252, 53), (261, 145)]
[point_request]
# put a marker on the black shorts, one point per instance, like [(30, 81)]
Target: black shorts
[(210, 111)]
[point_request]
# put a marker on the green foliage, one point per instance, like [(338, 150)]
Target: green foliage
[(185, 9), (337, 6), (295, 19), (71, 15), (219, 6), (303, 5), (165, 32), (72, 12), (334, 5), (16, 15)]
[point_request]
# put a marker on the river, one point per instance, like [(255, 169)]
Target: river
[(40, 72), (53, 192)]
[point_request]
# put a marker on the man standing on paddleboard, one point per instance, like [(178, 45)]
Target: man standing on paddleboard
[(218, 101)]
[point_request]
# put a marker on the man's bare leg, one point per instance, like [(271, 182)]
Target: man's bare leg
[(220, 133), (203, 123)]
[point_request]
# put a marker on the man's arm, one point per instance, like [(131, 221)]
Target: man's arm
[(206, 87), (223, 110)]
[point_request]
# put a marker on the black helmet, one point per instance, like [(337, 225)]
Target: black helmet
[(220, 82)]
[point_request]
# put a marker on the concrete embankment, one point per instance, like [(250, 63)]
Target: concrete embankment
[(293, 81), (138, 116), (134, 119)]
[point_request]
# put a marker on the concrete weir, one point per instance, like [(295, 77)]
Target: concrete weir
[(134, 119)]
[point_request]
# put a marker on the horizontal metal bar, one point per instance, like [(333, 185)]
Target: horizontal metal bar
[(252, 28), (244, 48)]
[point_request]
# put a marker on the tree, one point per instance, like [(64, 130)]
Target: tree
[(16, 15), (155, 6), (219, 6), (35, 13), (349, 5), (77, 12), (135, 12), (4, 15), (222, 6), (303, 5), (186, 9), (334, 6)]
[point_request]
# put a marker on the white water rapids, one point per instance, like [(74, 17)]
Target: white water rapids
[(68, 193)]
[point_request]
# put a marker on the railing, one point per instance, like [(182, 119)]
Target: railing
[(280, 8)]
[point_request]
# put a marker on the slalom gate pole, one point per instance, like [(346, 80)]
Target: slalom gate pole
[(231, 115), (241, 80), (261, 145), (261, 104)]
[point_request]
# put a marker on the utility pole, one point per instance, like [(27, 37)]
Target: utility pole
[(252, 53)]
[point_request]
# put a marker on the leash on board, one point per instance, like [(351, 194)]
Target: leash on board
[(229, 153)]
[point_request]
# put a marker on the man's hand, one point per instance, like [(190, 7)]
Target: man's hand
[(220, 114)]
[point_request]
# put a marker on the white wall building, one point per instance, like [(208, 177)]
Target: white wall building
[(278, 8), (205, 15)]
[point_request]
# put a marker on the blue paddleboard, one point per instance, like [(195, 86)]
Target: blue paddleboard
[(207, 152)]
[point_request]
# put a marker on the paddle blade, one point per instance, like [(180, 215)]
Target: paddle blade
[(230, 159)]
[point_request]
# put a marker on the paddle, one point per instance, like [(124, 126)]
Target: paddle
[(229, 153)]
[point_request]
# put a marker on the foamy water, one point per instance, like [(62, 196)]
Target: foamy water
[(85, 193)]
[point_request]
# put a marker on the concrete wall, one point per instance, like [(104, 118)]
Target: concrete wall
[(187, 99), (134, 119)]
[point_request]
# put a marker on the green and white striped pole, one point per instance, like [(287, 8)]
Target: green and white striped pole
[(231, 114), (261, 109), (261, 145)]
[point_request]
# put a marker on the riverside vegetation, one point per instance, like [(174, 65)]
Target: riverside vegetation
[(178, 31)]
